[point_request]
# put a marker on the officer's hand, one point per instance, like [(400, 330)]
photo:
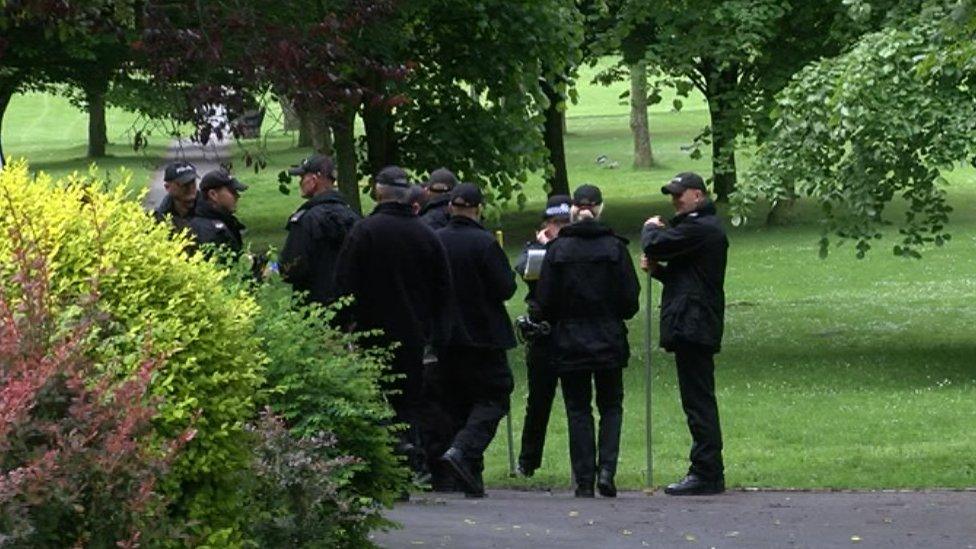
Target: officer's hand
[(542, 237), (645, 264), (655, 221)]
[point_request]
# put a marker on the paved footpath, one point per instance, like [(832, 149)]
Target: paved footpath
[(203, 157), (748, 519)]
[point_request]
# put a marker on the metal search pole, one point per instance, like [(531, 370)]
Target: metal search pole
[(649, 479), (500, 238)]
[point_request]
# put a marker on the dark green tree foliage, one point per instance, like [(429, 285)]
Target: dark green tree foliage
[(877, 124), (737, 53)]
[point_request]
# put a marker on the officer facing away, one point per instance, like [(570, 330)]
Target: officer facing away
[(396, 269), (213, 220), (439, 187), (542, 377), (688, 256), (180, 182), (587, 289), (472, 378), (316, 231)]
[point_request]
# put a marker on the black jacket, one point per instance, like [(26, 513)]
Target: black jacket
[(694, 248), (396, 269), (435, 213), (210, 225), (587, 289), (165, 209), (316, 232), (483, 280)]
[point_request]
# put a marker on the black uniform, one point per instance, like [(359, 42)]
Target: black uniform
[(435, 213), (542, 378), (316, 232), (166, 210), (587, 289), (210, 225), (692, 316), (396, 269), (472, 378)]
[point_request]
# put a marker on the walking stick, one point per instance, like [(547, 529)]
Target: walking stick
[(649, 480), (500, 237)]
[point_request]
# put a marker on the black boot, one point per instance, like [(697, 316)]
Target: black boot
[(470, 479), (605, 485), (584, 489), (694, 485)]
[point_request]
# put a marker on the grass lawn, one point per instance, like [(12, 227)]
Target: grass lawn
[(836, 373)]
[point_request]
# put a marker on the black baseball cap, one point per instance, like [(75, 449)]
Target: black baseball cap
[(180, 172), (393, 176), (557, 207), (466, 195), (220, 178), (442, 180), (319, 163), (684, 181), (587, 195)]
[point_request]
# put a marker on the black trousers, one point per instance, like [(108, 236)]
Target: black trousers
[(696, 380), (577, 394), (406, 398), (472, 387), (542, 382)]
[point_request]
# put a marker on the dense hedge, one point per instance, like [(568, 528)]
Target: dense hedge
[(96, 239)]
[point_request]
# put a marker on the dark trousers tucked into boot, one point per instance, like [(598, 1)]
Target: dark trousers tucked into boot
[(577, 394), (474, 389), (542, 384), (696, 380)]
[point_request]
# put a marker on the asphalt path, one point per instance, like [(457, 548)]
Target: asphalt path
[(748, 519)]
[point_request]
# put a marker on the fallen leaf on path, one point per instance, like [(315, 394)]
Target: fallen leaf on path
[(516, 527), (469, 521), (691, 537), (732, 534), (855, 539), (627, 532), (574, 513), (888, 520)]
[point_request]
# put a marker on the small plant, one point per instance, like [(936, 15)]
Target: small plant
[(78, 462)]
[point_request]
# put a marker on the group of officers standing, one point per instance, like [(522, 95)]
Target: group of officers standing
[(432, 281)]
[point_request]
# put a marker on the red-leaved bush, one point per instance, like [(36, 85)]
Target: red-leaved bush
[(78, 459)]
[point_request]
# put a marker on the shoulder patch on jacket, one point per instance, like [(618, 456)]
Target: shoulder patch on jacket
[(219, 225), (296, 216)]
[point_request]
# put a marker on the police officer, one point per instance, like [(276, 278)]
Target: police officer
[(180, 182), (688, 256), (542, 377), (316, 231), (439, 186), (213, 217), (472, 371), (587, 289), (396, 269)]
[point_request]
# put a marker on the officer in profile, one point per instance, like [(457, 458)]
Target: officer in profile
[(396, 270), (180, 182), (213, 220), (587, 290), (688, 255), (439, 186), (316, 231), (472, 378), (542, 377)]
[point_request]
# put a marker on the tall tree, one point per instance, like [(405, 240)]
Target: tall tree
[(738, 54), (876, 124), (639, 124)]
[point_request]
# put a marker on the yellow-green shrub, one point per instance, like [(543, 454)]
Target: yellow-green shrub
[(97, 239)]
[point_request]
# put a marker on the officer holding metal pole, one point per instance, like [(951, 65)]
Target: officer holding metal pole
[(688, 255)]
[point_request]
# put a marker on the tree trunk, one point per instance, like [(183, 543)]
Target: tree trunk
[(722, 87), (292, 120), (5, 96), (97, 130), (639, 126), (380, 137), (304, 130), (346, 161), (558, 181)]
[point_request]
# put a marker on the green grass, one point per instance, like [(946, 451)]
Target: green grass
[(836, 373)]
